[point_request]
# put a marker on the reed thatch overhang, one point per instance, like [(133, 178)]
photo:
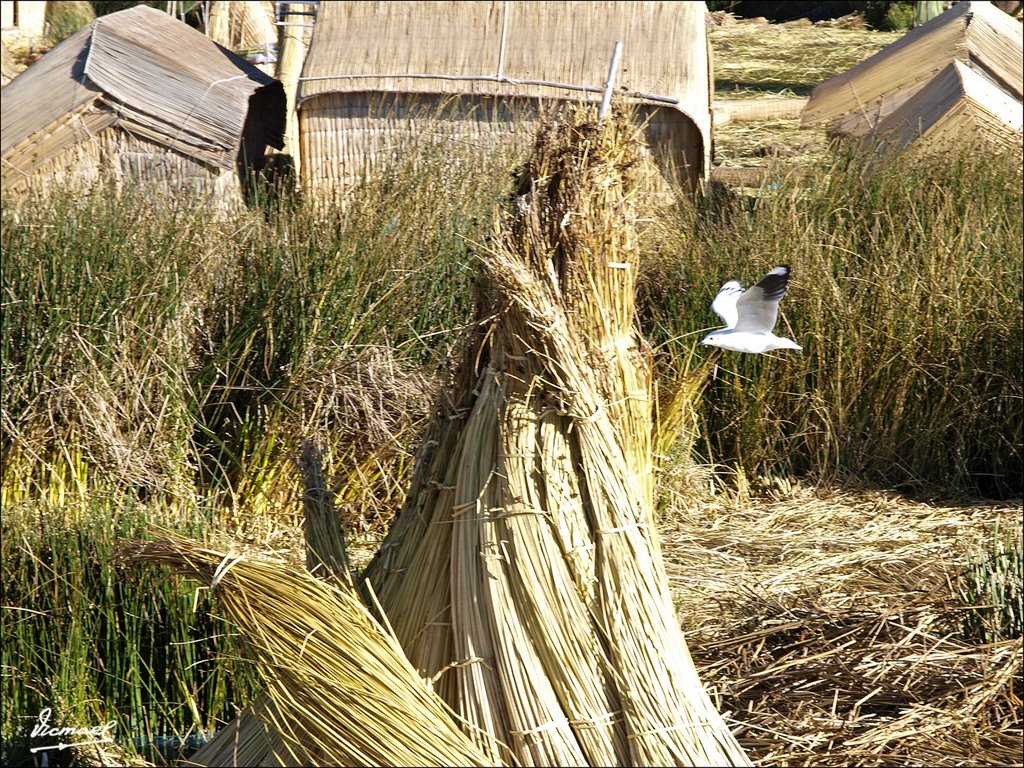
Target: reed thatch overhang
[(976, 34), (372, 62), (957, 102), (140, 92)]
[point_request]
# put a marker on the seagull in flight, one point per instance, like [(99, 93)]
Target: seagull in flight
[(750, 315)]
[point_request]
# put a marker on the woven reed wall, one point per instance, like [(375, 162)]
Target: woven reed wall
[(142, 161), (664, 47), (77, 166), (344, 135), (116, 156), (51, 151)]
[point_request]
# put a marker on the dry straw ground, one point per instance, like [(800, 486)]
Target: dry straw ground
[(830, 624), (776, 62)]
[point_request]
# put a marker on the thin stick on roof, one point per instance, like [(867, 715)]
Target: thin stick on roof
[(609, 83)]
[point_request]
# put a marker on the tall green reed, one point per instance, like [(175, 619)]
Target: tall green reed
[(161, 340), (94, 359), (906, 296), (95, 641), (316, 289), (992, 588)]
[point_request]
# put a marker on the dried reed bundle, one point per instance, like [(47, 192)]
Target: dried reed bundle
[(326, 554), (523, 575), (339, 689)]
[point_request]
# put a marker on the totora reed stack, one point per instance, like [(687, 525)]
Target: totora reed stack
[(523, 578)]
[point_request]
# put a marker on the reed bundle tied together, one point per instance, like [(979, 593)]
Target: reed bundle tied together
[(523, 576), (339, 690)]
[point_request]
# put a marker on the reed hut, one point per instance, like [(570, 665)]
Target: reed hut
[(488, 71), (957, 102), (962, 70), (140, 97)]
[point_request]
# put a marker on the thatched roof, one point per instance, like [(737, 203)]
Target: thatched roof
[(976, 34), (511, 49), (957, 102), (147, 73)]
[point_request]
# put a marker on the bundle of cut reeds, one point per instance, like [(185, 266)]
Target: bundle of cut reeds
[(522, 578), (339, 690), (523, 575)]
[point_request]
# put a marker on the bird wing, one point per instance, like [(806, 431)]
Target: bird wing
[(724, 304), (758, 307)]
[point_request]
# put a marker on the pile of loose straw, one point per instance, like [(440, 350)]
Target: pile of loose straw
[(830, 624)]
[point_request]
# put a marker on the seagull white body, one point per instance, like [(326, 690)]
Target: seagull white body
[(750, 315)]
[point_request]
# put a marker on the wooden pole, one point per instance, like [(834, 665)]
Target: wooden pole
[(291, 51)]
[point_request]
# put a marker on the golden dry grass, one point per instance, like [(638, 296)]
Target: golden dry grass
[(830, 626), (340, 691), (777, 61)]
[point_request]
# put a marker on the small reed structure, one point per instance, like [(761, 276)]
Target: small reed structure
[(139, 97), (482, 73), (957, 78)]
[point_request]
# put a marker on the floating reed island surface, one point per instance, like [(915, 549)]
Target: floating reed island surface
[(772, 69), (849, 628)]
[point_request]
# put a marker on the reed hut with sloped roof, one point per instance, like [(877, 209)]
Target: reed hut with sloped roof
[(488, 71), (956, 103), (958, 75), (141, 97)]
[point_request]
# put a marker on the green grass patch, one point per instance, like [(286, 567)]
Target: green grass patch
[(906, 296), (992, 587), (95, 641)]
